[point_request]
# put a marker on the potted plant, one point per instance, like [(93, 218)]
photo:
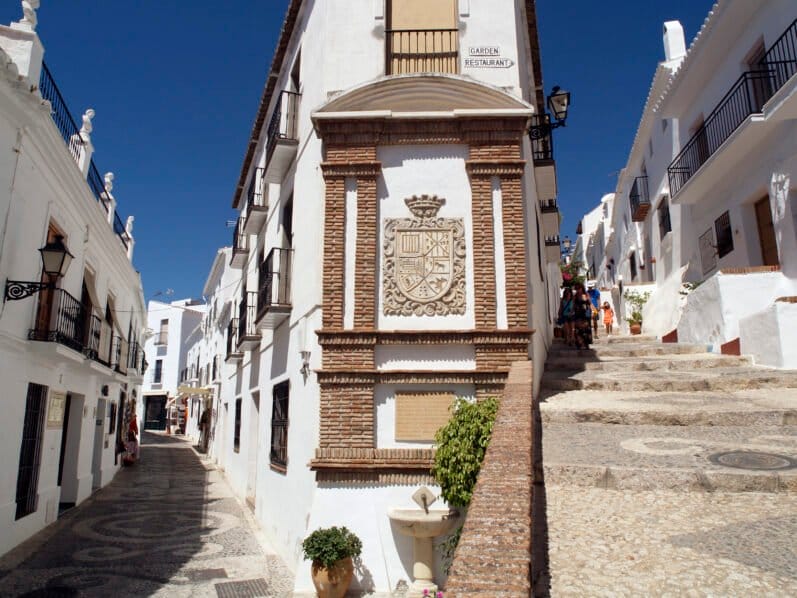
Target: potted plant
[(637, 302), (331, 551)]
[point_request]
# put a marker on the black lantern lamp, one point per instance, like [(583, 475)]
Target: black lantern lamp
[(558, 105), (55, 261), (567, 243)]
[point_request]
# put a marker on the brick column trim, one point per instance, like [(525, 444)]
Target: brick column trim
[(365, 291), (484, 306), (515, 254), (347, 416), (334, 250)]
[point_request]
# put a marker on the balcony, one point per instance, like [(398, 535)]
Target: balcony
[(550, 217), (552, 249), (274, 292), (747, 96), (421, 51), (248, 336), (282, 137), (65, 324), (256, 204), (240, 245), (136, 363), (639, 199), (548, 206), (542, 156), (99, 344), (233, 354), (119, 354)]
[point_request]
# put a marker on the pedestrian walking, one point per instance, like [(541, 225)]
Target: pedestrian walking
[(204, 430), (132, 438), (582, 317), (566, 311), (608, 317), (595, 298)]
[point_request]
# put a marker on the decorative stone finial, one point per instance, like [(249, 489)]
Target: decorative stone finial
[(87, 127), (108, 182), (424, 206), (29, 14), (129, 225)]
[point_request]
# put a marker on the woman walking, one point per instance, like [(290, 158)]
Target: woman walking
[(582, 317), (566, 310), (608, 317)]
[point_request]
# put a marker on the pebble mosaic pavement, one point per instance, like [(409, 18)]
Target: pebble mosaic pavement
[(169, 526)]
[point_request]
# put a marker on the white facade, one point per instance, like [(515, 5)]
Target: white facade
[(70, 358), (333, 64), (708, 194)]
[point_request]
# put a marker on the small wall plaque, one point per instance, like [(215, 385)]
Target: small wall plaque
[(55, 410), (420, 414)]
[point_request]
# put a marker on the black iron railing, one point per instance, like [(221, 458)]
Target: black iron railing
[(274, 280), (240, 240), (65, 324), (247, 314), (119, 354), (541, 138), (97, 185), (283, 125), (421, 51), (120, 230), (232, 337), (747, 96), (60, 112), (552, 241), (135, 360), (92, 345), (639, 199), (548, 206), (255, 198)]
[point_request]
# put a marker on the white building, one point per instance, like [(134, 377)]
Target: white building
[(70, 360), (384, 128), (166, 348), (708, 194)]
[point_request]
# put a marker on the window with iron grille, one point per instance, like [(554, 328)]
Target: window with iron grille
[(236, 439), (158, 375), (722, 228), (30, 451), (279, 425), (664, 218), (112, 418)]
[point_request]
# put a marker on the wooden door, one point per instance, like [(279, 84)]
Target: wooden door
[(766, 233)]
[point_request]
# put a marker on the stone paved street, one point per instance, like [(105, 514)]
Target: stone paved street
[(169, 526)]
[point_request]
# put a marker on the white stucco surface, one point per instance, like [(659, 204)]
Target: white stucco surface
[(769, 336), (425, 357)]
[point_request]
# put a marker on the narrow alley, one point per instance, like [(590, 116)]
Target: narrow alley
[(168, 526)]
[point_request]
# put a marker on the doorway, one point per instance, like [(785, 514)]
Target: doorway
[(70, 451), (155, 412), (99, 444), (253, 450), (766, 233), (30, 450)]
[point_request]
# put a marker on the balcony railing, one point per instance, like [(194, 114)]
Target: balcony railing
[(747, 96), (422, 51), (541, 138), (70, 132), (248, 336), (240, 245), (552, 241), (282, 136), (136, 360), (256, 205), (65, 324), (119, 354), (639, 198), (548, 206), (232, 340), (274, 291)]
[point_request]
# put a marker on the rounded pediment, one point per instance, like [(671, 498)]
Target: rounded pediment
[(418, 95)]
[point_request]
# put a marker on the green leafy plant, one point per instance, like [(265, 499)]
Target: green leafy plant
[(637, 302), (326, 546)]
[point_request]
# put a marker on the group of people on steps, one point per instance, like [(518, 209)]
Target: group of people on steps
[(579, 312)]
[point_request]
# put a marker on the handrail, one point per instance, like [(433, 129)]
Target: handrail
[(421, 51)]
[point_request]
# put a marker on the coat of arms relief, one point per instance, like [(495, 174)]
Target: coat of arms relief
[(424, 262)]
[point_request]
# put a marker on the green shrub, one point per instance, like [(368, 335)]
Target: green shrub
[(461, 445), (326, 546)]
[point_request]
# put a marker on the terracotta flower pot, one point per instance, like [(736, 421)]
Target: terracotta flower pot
[(636, 328), (333, 582)]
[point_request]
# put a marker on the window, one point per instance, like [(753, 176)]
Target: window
[(236, 439), (163, 334), (156, 377), (722, 228), (112, 418), (664, 218), (632, 265), (422, 37), (30, 451), (279, 426)]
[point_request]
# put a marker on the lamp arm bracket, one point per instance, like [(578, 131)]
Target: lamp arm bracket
[(20, 289)]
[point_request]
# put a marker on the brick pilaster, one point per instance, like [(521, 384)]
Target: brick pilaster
[(365, 295), (334, 250), (483, 252), (515, 254)]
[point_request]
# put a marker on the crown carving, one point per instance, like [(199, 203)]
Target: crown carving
[(424, 206)]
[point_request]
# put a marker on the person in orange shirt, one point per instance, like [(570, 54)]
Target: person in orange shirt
[(608, 317)]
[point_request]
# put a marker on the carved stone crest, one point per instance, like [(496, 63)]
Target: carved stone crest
[(424, 262)]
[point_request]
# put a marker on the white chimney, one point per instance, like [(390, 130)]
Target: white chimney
[(674, 41)]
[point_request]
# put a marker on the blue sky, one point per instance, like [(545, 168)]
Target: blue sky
[(176, 83)]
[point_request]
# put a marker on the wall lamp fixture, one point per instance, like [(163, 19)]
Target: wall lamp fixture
[(305, 363), (558, 105), (55, 261)]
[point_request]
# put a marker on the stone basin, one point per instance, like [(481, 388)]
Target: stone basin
[(420, 524)]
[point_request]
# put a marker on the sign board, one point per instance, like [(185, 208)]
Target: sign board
[(55, 409), (486, 57), (420, 414)]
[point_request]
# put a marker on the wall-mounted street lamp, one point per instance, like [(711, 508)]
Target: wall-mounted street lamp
[(567, 244), (558, 105), (305, 363), (55, 261)]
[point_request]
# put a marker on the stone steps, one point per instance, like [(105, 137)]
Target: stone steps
[(648, 364), (597, 352)]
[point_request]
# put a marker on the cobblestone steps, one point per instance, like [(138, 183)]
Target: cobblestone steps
[(685, 362), (600, 351)]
